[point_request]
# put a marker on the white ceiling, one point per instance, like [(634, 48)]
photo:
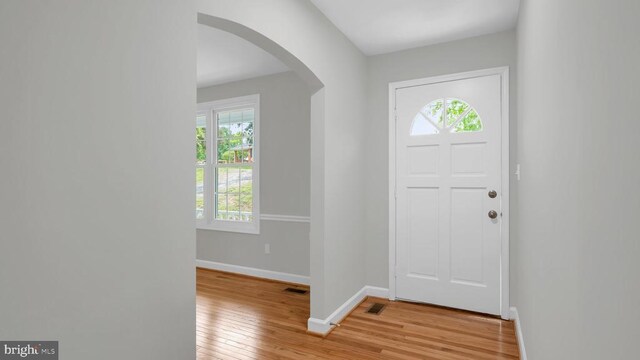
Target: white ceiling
[(383, 26), (224, 57)]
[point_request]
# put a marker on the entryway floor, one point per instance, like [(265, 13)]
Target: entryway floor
[(240, 317)]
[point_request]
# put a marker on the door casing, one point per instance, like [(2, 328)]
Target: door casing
[(504, 178)]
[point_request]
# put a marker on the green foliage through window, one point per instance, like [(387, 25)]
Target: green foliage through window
[(471, 122), (235, 136), (460, 117), (232, 137), (201, 145)]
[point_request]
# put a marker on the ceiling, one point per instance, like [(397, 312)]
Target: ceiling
[(224, 57), (383, 26)]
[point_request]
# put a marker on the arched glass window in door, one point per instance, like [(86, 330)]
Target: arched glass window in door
[(456, 117)]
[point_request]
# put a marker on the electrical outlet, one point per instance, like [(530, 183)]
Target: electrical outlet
[(267, 249)]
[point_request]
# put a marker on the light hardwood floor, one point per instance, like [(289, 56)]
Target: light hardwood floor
[(240, 317)]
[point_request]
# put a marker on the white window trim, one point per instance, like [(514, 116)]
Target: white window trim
[(210, 109)]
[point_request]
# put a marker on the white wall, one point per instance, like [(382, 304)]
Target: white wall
[(284, 178), (337, 139), (577, 285), (464, 55), (96, 198)]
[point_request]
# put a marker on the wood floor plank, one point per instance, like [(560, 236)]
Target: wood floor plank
[(241, 318)]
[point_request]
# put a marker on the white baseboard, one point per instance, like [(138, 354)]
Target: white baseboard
[(244, 270), (378, 292), (323, 326), (513, 314)]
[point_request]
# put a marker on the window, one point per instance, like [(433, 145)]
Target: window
[(227, 166), (460, 117)]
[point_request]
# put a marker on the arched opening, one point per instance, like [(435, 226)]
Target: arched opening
[(266, 44), (316, 120)]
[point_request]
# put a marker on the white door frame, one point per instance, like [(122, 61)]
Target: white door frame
[(504, 203)]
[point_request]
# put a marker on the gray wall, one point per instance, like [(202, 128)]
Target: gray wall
[(284, 177), (448, 58), (577, 285), (96, 204)]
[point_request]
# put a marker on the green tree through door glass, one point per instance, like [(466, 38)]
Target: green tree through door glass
[(451, 114)]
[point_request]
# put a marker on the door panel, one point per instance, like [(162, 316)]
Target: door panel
[(468, 159), (467, 235), (423, 160), (447, 160), (423, 232)]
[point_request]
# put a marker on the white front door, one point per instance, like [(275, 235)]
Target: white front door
[(448, 218)]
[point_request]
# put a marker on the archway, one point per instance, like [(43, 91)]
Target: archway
[(316, 88), (266, 44)]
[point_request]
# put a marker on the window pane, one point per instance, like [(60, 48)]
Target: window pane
[(433, 111), (246, 193), (235, 136), (199, 193), (234, 193), (235, 130), (470, 123), (247, 115), (230, 124), (201, 142), (227, 189), (225, 153), (223, 122), (235, 116), (221, 180), (221, 206), (247, 150), (455, 109), (233, 187), (201, 121), (235, 151), (422, 126), (460, 117), (233, 180), (223, 125), (247, 130)]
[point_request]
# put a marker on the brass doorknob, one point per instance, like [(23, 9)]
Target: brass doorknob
[(493, 214)]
